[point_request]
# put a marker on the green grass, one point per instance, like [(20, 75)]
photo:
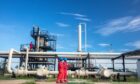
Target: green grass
[(90, 80), (19, 77), (79, 83), (29, 82), (5, 77)]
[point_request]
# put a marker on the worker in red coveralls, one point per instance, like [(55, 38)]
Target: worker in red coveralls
[(60, 71), (65, 70), (31, 46)]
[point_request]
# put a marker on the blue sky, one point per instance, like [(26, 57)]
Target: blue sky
[(115, 22)]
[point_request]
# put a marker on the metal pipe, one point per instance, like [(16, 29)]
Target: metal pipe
[(31, 72), (113, 66), (26, 60), (72, 53), (79, 38), (10, 60), (66, 53), (53, 72), (38, 38), (85, 37)]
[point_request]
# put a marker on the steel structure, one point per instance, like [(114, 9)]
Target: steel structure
[(40, 55), (43, 42)]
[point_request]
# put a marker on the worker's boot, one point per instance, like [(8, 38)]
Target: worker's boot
[(57, 81), (62, 81), (66, 81)]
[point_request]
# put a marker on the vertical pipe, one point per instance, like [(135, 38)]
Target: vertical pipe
[(113, 64), (10, 61), (26, 60), (55, 64), (79, 38), (89, 61), (4, 66), (123, 59), (82, 62), (37, 39), (85, 38), (38, 42)]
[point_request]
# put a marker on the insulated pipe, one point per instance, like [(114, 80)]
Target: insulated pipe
[(79, 38), (10, 60), (85, 37), (53, 72), (72, 53), (38, 38), (26, 60), (43, 72), (66, 53), (31, 72), (18, 71)]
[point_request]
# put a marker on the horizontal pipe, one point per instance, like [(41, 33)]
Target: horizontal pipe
[(61, 53), (124, 73), (82, 73), (72, 53), (53, 72), (31, 72), (66, 54), (88, 73)]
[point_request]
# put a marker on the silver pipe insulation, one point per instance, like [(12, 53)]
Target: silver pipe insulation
[(10, 60), (40, 72), (44, 72), (26, 60), (18, 71), (79, 38), (73, 53)]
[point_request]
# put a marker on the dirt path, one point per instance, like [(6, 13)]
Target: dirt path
[(22, 81), (45, 83), (13, 81)]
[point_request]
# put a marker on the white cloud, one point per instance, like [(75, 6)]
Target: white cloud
[(73, 14), (57, 34), (135, 44), (77, 16), (124, 24), (104, 44), (83, 19), (60, 24), (124, 50)]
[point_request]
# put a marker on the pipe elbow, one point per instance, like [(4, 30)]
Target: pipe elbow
[(9, 61), (9, 70)]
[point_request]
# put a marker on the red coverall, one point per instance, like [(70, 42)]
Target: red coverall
[(61, 72), (65, 70)]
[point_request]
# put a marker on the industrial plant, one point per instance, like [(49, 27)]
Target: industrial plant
[(40, 58)]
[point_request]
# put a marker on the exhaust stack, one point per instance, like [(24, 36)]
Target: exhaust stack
[(79, 38)]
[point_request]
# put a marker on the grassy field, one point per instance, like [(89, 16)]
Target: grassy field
[(32, 80)]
